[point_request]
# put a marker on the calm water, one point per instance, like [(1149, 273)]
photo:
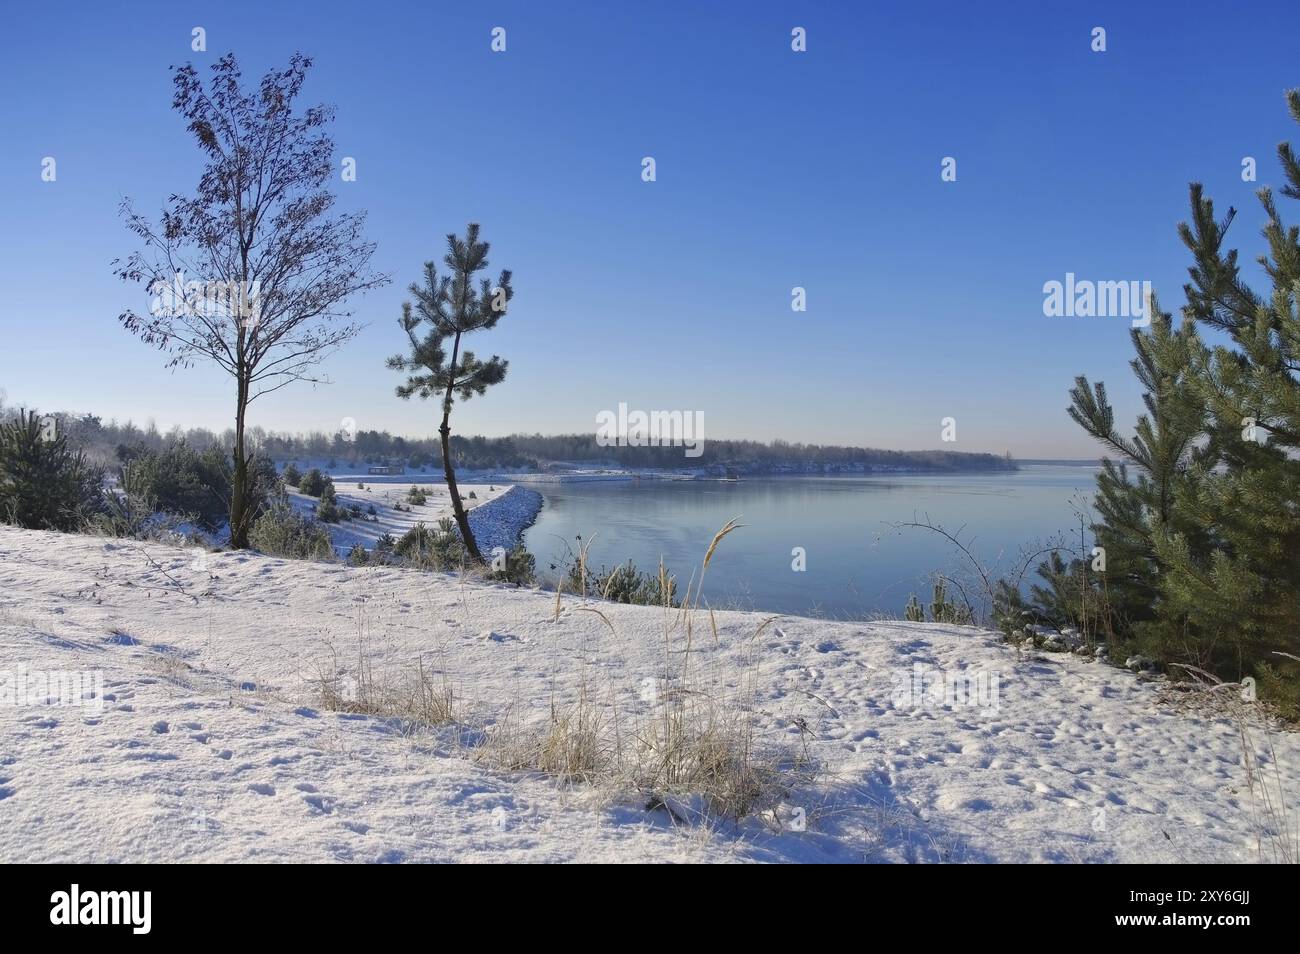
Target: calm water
[(857, 564)]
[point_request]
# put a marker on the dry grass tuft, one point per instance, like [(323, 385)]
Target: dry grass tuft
[(701, 754), (693, 742), (416, 697)]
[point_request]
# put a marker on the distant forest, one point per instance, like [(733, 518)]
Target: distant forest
[(112, 442)]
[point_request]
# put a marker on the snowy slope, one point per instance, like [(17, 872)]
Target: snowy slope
[(498, 514), (209, 745)]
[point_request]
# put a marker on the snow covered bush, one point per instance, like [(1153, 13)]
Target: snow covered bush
[(625, 584), (282, 532), (313, 483), (197, 484), (328, 510), (942, 609), (181, 480), (520, 567), (430, 549), (130, 512)]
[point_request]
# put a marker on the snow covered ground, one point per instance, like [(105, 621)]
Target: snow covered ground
[(210, 744), (499, 513)]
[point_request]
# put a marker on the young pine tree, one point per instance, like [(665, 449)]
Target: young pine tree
[(44, 483), (450, 307), (1245, 591), (1203, 547)]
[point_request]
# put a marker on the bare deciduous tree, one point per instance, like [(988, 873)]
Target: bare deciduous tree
[(252, 271)]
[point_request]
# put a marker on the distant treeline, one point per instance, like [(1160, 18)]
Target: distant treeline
[(111, 441), (749, 457)]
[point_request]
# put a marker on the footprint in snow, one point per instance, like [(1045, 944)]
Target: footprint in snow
[(261, 788), (319, 804)]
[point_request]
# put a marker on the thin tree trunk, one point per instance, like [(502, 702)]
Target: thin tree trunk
[(239, 485), (458, 508), (462, 517), (239, 488)]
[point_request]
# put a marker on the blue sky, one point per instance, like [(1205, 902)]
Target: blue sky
[(775, 169)]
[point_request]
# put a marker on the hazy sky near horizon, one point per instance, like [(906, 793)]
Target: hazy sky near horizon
[(775, 169)]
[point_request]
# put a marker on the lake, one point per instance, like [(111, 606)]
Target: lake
[(857, 563)]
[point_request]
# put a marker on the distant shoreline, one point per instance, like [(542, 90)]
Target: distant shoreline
[(569, 473), (1037, 462)]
